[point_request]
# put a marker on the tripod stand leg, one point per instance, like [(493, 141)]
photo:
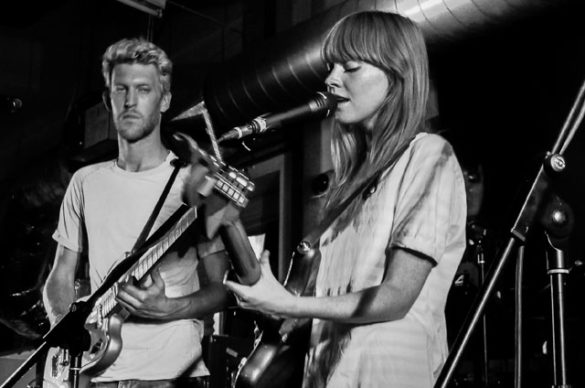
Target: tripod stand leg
[(484, 342), (557, 271)]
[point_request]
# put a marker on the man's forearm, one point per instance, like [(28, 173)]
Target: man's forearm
[(57, 297)]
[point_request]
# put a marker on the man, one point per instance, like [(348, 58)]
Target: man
[(104, 211)]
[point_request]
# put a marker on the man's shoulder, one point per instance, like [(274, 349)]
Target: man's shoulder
[(85, 172)]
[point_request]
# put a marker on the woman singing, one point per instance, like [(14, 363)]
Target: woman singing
[(389, 260)]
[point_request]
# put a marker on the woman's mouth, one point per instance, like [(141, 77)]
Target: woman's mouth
[(341, 99)]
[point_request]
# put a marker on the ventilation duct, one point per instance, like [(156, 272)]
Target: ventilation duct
[(289, 69)]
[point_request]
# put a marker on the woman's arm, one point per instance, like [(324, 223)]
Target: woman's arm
[(405, 272)]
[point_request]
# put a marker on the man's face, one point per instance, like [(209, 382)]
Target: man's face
[(137, 100)]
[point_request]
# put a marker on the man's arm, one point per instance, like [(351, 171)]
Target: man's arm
[(152, 303), (59, 291)]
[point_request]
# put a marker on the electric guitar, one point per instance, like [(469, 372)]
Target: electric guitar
[(277, 358), (220, 214)]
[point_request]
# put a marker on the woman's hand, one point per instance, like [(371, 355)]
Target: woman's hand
[(267, 295)]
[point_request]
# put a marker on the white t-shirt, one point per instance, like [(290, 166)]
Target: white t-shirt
[(419, 205), (103, 212)]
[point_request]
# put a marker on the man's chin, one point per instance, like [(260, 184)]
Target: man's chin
[(131, 135)]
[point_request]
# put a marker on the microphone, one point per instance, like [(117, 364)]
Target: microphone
[(323, 101), (10, 104)]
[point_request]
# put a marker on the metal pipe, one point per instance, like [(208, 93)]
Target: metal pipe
[(289, 69)]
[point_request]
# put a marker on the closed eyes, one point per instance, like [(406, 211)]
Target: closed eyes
[(348, 67), (351, 66)]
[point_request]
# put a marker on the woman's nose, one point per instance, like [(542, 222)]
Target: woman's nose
[(332, 81)]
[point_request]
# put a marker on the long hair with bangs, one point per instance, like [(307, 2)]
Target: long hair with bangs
[(395, 45)]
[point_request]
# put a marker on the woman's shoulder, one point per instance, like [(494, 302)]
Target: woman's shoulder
[(430, 147), (431, 142)]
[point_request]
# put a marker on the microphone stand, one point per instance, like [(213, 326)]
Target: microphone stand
[(558, 222), (69, 332), (552, 165), (478, 234)]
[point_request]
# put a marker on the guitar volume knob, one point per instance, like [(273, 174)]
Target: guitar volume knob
[(304, 248)]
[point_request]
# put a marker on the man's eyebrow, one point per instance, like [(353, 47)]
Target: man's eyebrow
[(136, 83)]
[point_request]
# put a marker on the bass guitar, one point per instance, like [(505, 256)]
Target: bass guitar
[(277, 358), (220, 212)]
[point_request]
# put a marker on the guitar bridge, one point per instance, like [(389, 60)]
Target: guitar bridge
[(59, 362)]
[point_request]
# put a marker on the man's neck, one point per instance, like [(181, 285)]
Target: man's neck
[(142, 155)]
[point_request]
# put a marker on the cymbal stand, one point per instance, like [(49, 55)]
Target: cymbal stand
[(553, 164)]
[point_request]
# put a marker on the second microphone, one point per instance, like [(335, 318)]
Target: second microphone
[(322, 102)]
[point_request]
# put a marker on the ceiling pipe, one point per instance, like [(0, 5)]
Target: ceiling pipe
[(289, 69)]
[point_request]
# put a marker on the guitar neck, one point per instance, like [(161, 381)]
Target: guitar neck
[(107, 302)]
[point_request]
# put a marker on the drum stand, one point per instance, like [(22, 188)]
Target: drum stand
[(537, 197)]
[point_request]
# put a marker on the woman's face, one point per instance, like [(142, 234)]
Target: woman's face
[(360, 89)]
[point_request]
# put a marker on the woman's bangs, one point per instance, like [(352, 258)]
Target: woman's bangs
[(348, 42)]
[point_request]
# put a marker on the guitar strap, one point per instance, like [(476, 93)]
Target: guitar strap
[(177, 163)]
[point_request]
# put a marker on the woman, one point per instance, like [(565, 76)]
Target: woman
[(389, 260)]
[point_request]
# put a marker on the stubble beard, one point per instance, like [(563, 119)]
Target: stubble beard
[(135, 132)]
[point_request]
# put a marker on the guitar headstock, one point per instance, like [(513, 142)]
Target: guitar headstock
[(231, 191), (222, 189), (234, 185)]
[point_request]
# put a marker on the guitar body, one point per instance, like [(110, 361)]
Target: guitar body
[(278, 357), (105, 347), (275, 362)]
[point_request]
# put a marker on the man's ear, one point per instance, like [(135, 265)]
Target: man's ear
[(106, 100), (165, 102)]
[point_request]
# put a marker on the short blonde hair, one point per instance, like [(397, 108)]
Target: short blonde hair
[(141, 51)]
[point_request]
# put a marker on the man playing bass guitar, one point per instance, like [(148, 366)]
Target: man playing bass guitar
[(104, 210)]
